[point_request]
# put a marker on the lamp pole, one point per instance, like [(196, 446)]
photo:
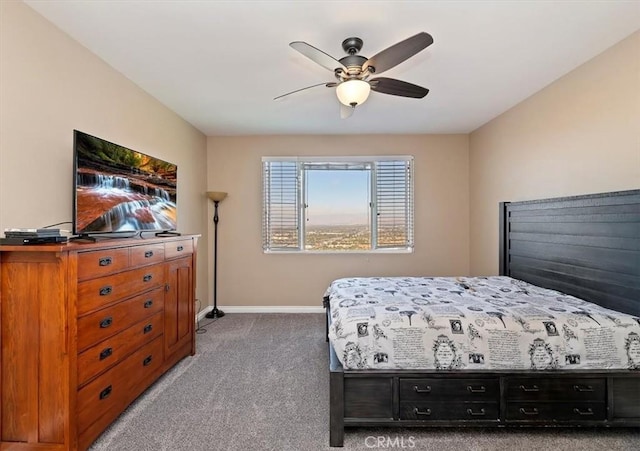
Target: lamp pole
[(215, 313)]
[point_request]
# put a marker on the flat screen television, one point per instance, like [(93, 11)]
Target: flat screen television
[(117, 189)]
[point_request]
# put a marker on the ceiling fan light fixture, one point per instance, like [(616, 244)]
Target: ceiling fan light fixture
[(353, 92)]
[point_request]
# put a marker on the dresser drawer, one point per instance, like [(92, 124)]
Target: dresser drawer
[(469, 389), (107, 353), (563, 411), (107, 322), (174, 249), (442, 410), (96, 293), (109, 393), (102, 262), (556, 389), (146, 255)]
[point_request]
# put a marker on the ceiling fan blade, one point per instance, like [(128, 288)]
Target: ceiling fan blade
[(317, 55), (328, 85), (346, 111), (397, 88), (398, 53)]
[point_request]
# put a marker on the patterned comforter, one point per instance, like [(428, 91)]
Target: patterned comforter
[(474, 323)]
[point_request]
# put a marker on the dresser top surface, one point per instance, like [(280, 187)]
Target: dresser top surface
[(100, 243)]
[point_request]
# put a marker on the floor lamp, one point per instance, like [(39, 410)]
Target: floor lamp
[(216, 197)]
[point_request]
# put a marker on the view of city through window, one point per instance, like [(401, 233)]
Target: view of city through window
[(338, 238), (337, 210)]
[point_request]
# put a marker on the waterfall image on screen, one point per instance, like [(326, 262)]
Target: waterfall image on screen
[(119, 190)]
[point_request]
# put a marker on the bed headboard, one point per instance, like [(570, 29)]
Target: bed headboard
[(587, 246)]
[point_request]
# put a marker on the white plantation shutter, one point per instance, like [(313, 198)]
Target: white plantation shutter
[(394, 204), (280, 220)]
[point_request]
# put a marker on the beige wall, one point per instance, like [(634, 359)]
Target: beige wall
[(248, 277), (579, 135), (51, 85)]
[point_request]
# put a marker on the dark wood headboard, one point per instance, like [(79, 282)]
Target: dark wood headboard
[(587, 246)]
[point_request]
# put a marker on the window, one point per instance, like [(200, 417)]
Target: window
[(337, 204)]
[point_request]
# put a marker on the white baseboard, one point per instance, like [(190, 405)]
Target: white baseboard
[(204, 311), (262, 309)]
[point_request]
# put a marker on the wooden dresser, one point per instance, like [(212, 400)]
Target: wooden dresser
[(85, 329)]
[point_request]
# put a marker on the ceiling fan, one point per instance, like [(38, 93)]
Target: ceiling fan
[(353, 71)]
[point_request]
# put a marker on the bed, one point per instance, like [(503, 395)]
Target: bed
[(553, 340)]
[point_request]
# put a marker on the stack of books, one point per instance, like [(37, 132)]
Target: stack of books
[(32, 236)]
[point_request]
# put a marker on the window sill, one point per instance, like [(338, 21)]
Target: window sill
[(376, 251)]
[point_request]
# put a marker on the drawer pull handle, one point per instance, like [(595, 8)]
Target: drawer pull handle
[(106, 352), (148, 304), (147, 278), (180, 248), (148, 328), (105, 261), (533, 388), (105, 291), (481, 389), (106, 392), (147, 361), (532, 411), (426, 389), (148, 254), (421, 412), (583, 388), (107, 322), (480, 413), (167, 287), (587, 412)]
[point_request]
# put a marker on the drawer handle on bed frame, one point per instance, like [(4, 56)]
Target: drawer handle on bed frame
[(532, 411), (583, 388), (481, 389), (533, 388), (421, 412), (426, 389), (589, 411), (481, 413), (105, 261), (148, 254)]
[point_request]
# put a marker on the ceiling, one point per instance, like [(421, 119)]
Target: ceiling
[(219, 64)]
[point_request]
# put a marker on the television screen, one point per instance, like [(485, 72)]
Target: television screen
[(118, 189)]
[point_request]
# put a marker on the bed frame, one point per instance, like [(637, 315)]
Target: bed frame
[(587, 246)]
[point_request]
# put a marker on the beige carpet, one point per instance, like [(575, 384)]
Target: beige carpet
[(260, 382)]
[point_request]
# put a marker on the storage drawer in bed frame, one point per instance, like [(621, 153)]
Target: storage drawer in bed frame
[(555, 389), (433, 399), (479, 389), (555, 399), (607, 398), (444, 410)]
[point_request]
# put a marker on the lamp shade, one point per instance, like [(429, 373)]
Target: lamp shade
[(216, 196), (353, 92)]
